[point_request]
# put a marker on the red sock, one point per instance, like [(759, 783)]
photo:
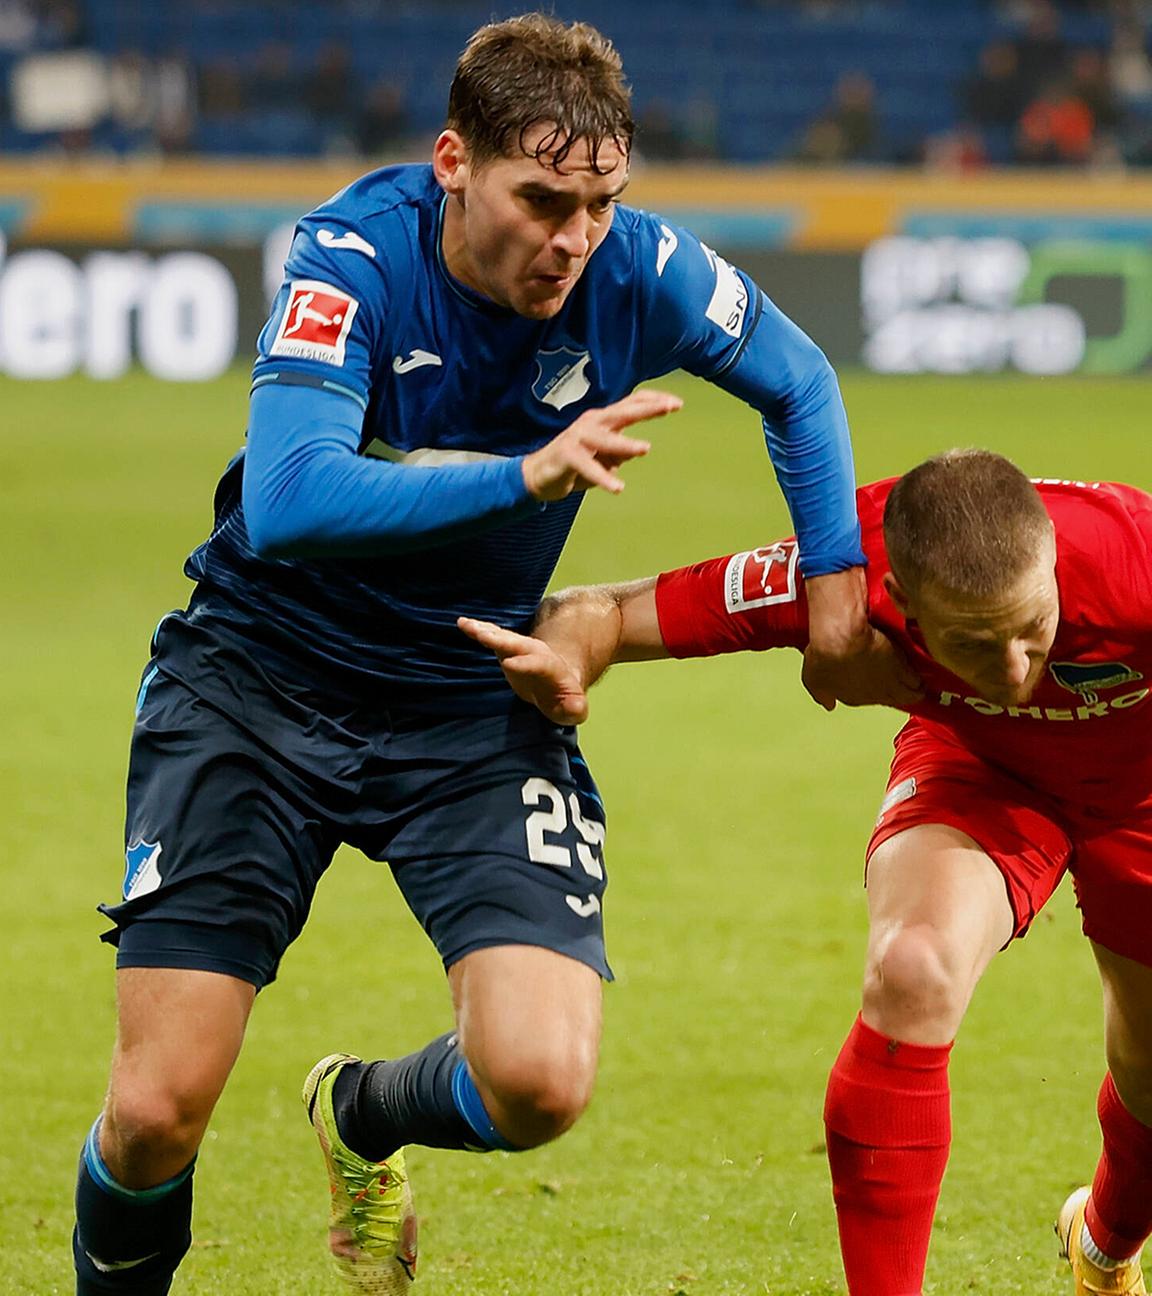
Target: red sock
[(1119, 1214), (888, 1120)]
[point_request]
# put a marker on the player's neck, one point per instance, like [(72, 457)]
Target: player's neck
[(454, 254)]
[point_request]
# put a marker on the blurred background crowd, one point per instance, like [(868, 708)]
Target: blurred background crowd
[(961, 85)]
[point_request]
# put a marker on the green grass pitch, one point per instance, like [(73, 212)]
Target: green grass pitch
[(737, 816)]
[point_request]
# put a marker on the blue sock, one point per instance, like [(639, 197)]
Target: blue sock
[(128, 1241), (427, 1098), (471, 1106)]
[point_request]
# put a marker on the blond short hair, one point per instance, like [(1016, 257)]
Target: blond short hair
[(967, 522)]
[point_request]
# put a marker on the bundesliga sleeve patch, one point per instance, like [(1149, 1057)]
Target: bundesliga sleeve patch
[(316, 323), (761, 577)]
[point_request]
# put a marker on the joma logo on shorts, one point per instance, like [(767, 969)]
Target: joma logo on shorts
[(983, 707)]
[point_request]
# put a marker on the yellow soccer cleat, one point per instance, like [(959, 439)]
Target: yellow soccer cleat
[(1091, 1280), (372, 1227)]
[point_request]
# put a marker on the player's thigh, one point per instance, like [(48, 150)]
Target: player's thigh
[(938, 912), (987, 853), (225, 842), (1112, 872), (960, 861), (936, 877), (179, 1032), (529, 1018), (504, 845)]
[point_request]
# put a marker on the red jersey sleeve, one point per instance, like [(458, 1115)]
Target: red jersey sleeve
[(752, 600)]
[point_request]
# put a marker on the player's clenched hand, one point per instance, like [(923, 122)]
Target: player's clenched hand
[(536, 671), (589, 452), (847, 659), (873, 672)]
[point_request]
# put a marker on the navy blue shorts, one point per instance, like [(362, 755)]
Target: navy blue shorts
[(242, 785)]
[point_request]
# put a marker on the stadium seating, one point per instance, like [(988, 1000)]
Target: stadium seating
[(764, 69)]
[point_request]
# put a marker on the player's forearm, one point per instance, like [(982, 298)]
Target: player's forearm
[(811, 451), (307, 493), (838, 612), (784, 375), (595, 625)]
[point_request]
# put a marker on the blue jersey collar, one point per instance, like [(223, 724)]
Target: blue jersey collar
[(467, 295)]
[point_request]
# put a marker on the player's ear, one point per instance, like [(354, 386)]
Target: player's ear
[(895, 592), (450, 162)]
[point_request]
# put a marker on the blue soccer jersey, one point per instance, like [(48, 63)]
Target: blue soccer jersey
[(381, 493)]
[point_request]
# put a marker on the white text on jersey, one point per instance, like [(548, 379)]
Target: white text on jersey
[(983, 707)]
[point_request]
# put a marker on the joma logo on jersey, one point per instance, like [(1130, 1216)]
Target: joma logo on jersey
[(560, 377), (315, 323), (1089, 711), (1088, 678), (761, 577)]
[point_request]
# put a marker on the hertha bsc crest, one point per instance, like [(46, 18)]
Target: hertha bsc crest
[(560, 379), (1088, 678)]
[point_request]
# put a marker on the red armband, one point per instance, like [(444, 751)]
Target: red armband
[(746, 601)]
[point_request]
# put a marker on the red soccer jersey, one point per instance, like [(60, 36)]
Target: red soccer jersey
[(1085, 737)]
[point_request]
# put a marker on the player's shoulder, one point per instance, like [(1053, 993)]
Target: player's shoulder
[(376, 218), (1103, 545), (870, 501), (388, 191), (1092, 510), (664, 261), (629, 222), (375, 231), (871, 497), (635, 238)]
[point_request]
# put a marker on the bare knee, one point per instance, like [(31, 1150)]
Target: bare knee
[(150, 1132), (535, 1096), (915, 989), (529, 1024)]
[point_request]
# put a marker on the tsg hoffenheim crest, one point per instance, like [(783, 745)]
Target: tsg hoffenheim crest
[(142, 871), (561, 378)]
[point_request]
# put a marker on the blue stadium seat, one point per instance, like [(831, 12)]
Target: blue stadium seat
[(770, 68)]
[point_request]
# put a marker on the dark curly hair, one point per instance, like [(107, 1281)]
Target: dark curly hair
[(536, 70)]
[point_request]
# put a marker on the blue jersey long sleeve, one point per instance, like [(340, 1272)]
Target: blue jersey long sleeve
[(308, 492), (784, 375), (757, 353), (381, 494)]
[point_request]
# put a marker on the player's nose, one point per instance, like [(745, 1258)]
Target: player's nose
[(572, 240), (1016, 663)]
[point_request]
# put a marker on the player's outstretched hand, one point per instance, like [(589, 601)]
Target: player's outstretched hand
[(590, 451), (536, 671), (873, 673)]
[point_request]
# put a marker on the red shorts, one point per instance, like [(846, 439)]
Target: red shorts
[(1030, 838)]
